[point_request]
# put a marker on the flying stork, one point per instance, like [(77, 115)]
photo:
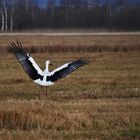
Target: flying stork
[(43, 78)]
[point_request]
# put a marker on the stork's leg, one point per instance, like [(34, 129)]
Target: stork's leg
[(42, 92), (38, 91)]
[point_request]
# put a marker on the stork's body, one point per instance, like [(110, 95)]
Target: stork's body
[(43, 81), (43, 78)]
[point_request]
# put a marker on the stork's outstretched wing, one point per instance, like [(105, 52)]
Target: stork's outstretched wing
[(27, 62), (66, 69)]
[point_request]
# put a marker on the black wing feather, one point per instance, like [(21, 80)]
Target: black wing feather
[(23, 58), (67, 70)]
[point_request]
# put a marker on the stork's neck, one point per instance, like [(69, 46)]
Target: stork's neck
[(47, 68)]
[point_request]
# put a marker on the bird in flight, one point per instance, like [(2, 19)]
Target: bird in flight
[(43, 78)]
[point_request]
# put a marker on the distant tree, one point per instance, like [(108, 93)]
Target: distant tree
[(4, 15), (73, 3), (120, 2), (90, 3), (51, 6), (50, 3), (2, 20), (27, 13), (12, 21), (108, 8), (26, 3), (65, 3), (7, 8)]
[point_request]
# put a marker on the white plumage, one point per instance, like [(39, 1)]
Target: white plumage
[(43, 78)]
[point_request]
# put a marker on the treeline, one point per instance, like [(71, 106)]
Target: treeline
[(27, 14)]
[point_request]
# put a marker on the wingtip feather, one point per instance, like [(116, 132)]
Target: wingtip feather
[(15, 47), (84, 61)]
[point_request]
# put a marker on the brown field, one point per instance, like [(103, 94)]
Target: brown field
[(98, 101), (57, 44)]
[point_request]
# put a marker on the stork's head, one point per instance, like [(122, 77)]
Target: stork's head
[(48, 63)]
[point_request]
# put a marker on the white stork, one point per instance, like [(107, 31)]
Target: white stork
[(43, 78)]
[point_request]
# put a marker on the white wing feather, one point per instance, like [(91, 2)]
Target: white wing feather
[(36, 66), (60, 68)]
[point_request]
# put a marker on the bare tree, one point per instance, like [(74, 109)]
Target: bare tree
[(2, 20), (108, 8), (27, 4), (51, 4), (3, 12), (12, 15), (65, 3), (121, 2), (90, 3), (5, 15)]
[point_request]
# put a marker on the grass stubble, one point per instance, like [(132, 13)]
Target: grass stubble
[(100, 101)]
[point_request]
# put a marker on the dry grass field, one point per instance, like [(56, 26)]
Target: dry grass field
[(98, 101)]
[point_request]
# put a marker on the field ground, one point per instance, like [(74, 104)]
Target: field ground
[(98, 101)]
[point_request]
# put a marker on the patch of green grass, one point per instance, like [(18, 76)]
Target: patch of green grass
[(129, 133)]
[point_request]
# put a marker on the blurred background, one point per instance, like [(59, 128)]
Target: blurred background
[(17, 15)]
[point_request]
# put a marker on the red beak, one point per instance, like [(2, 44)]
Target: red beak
[(51, 64)]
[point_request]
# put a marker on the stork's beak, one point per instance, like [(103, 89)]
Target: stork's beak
[(51, 64)]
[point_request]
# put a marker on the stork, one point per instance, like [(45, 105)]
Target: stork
[(43, 78)]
